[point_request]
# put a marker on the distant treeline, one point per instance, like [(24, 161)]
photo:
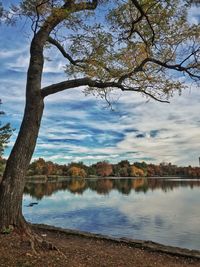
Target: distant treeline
[(105, 169)]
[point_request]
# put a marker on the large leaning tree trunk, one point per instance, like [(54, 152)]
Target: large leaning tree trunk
[(12, 185), (13, 181), (134, 53)]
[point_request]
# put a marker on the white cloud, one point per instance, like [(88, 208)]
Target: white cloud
[(20, 64), (9, 53)]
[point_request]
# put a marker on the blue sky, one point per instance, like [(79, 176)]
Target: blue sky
[(76, 127)]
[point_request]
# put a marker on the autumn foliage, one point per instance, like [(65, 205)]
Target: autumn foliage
[(105, 169), (76, 172), (135, 172)]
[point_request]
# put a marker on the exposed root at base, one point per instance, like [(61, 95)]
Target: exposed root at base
[(30, 239)]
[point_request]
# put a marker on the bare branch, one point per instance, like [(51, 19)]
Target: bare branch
[(192, 54)]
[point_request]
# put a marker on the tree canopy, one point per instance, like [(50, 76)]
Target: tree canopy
[(142, 46)]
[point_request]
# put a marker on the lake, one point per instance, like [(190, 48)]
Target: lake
[(162, 210)]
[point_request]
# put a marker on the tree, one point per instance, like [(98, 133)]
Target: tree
[(135, 171), (143, 44), (42, 167), (37, 167), (76, 172), (124, 168), (5, 134), (103, 169)]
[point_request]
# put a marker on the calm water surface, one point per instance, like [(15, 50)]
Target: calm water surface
[(162, 210)]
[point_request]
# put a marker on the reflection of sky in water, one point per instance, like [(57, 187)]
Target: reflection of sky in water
[(171, 217)]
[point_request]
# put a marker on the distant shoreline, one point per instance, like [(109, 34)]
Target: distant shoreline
[(62, 178), (48, 178)]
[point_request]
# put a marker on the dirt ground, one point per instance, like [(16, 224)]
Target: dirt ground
[(79, 251)]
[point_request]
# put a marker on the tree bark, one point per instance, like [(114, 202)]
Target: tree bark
[(13, 182)]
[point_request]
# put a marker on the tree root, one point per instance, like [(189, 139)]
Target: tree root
[(37, 243)]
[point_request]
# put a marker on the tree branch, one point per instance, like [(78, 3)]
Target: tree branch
[(143, 14), (59, 14), (148, 94), (61, 49), (177, 67), (38, 15), (69, 84)]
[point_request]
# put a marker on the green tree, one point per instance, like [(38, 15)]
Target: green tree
[(5, 134), (135, 46)]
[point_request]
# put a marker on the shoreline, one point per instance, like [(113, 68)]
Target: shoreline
[(81, 249), (52, 178), (48, 178), (137, 243)]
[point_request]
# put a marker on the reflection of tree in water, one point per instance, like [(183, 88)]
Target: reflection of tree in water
[(140, 185), (123, 186), (77, 185), (102, 186), (105, 186), (39, 190)]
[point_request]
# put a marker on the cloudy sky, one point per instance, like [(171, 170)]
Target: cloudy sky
[(76, 127)]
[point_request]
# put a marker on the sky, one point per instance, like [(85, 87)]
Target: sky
[(76, 127)]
